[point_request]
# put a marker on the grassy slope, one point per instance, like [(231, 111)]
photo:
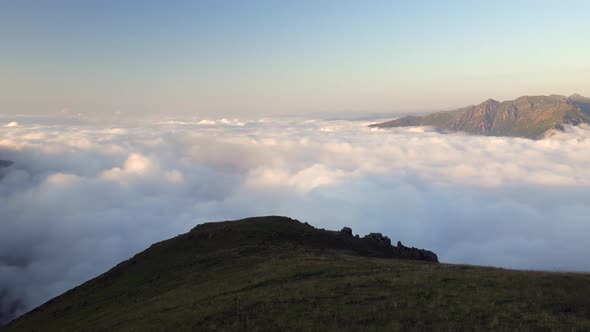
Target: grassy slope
[(275, 274)]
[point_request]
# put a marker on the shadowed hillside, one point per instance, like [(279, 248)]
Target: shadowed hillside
[(529, 117), (275, 273)]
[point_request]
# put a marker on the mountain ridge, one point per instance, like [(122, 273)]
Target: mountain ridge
[(527, 116), (276, 273), (258, 234)]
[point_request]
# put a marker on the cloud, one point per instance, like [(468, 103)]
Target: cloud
[(80, 198)]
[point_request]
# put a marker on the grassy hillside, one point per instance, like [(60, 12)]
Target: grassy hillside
[(529, 117), (274, 273)]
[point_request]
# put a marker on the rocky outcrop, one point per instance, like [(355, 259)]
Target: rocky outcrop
[(378, 237), (415, 253), (396, 251), (346, 230)]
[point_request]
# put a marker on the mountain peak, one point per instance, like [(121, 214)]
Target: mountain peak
[(577, 96), (527, 117), (281, 230), (488, 103)]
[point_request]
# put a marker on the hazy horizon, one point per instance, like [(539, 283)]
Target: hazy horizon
[(258, 58)]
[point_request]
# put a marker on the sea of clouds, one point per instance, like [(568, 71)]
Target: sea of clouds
[(82, 197)]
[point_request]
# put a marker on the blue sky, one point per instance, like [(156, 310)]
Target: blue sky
[(247, 58)]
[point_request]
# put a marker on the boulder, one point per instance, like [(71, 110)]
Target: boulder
[(346, 230)]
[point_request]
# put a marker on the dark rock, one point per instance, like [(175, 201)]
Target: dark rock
[(346, 230), (403, 251), (384, 240), (415, 253)]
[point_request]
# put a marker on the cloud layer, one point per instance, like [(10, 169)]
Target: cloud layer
[(80, 198)]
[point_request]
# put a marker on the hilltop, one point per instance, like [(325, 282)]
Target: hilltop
[(528, 116), (276, 273)]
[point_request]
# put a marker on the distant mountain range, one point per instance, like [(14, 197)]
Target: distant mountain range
[(528, 116)]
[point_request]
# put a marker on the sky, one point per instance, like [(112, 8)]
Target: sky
[(249, 58)]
